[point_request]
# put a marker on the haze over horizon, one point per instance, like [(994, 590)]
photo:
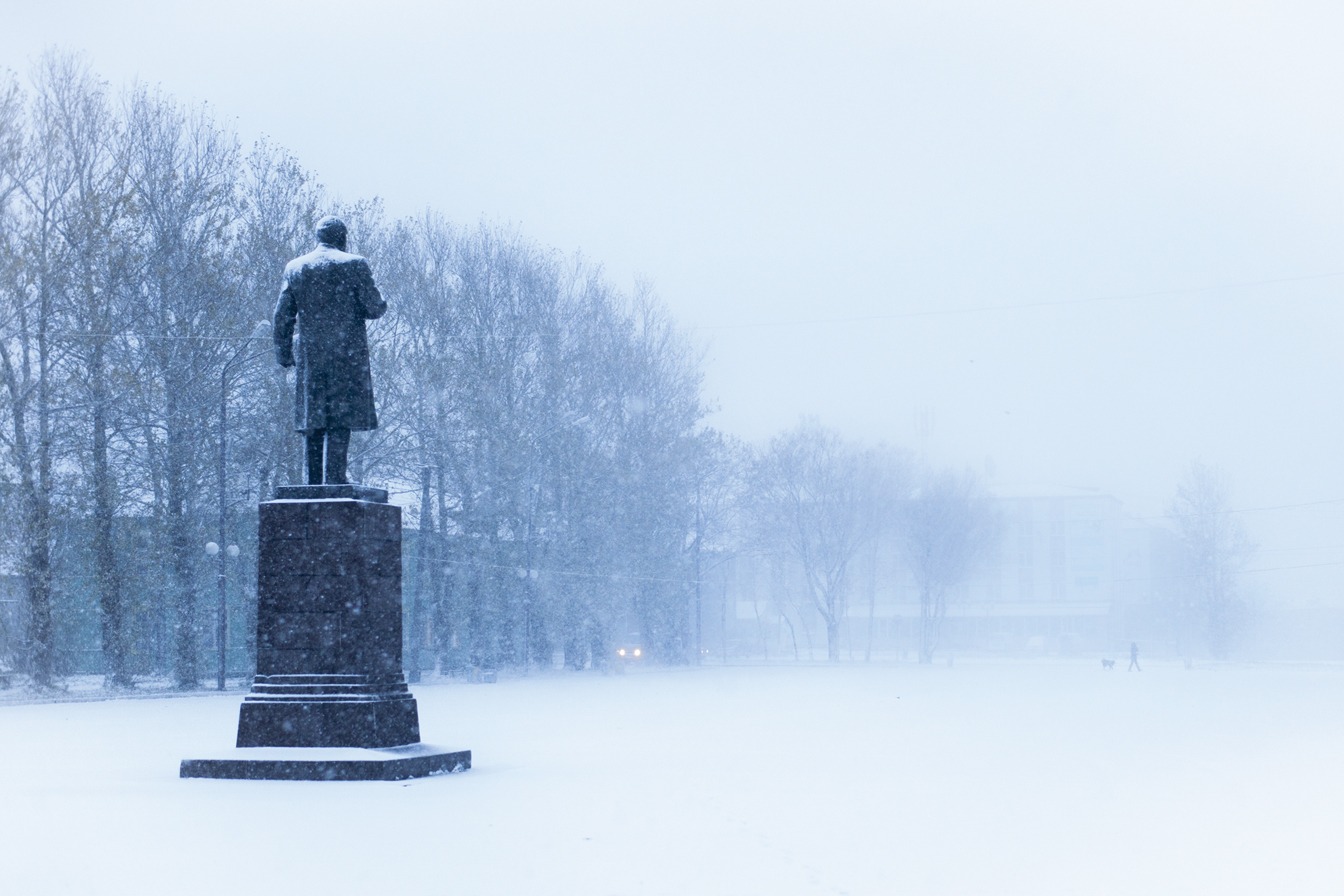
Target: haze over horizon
[(1073, 248)]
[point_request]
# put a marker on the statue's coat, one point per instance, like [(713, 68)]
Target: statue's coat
[(329, 293)]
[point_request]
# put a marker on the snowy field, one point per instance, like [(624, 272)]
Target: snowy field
[(983, 778)]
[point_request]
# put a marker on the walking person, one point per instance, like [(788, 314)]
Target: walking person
[(1134, 657)]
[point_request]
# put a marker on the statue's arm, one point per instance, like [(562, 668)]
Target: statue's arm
[(369, 296), (286, 313)]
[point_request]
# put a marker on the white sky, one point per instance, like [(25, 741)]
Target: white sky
[(1074, 246)]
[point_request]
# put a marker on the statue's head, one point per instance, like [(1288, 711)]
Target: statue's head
[(331, 232)]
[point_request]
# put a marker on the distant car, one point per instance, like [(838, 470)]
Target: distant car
[(628, 653)]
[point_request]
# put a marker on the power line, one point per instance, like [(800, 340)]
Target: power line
[(978, 309), (1189, 576), (1324, 501), (1231, 510), (1300, 566), (561, 573)]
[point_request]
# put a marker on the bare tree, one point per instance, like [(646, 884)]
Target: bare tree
[(34, 183), (656, 452), (1216, 549), (559, 417), (417, 404), (816, 502), (82, 136), (183, 169), (950, 527), (281, 203), (720, 466)]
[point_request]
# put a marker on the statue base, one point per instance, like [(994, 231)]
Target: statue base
[(329, 672), (328, 711)]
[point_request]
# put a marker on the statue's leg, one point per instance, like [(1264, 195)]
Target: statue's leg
[(315, 438), (338, 449)]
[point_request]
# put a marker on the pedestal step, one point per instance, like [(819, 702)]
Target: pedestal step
[(332, 721), (315, 764)]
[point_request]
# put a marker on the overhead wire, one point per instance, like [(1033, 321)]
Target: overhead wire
[(1053, 303)]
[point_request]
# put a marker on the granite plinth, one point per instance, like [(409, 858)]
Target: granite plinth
[(329, 764), (329, 624), (344, 711), (329, 701)]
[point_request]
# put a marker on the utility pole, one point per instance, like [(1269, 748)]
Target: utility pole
[(421, 572), (240, 356), (222, 612)]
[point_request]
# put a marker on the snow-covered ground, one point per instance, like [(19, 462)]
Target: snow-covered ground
[(983, 778)]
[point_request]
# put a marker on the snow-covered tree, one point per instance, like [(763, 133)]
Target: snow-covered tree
[(85, 140), (816, 501), (949, 527), (559, 417), (183, 169), (30, 193), (1215, 549)]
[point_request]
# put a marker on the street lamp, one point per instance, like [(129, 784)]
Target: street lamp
[(529, 578), (222, 613), (242, 355)]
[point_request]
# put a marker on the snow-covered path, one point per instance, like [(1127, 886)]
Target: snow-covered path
[(1050, 777)]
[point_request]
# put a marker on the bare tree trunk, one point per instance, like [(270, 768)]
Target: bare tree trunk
[(37, 573), (36, 515), (723, 621), (832, 639), (926, 624), (793, 635), (186, 662), (872, 602), (39, 566), (446, 619), (26, 371), (107, 574)]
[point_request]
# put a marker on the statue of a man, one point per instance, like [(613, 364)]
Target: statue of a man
[(329, 293)]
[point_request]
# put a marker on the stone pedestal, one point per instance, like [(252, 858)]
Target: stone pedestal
[(329, 671)]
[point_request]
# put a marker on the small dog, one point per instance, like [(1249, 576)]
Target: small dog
[(1107, 664)]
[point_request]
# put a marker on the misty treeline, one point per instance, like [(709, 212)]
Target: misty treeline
[(544, 431), (541, 427)]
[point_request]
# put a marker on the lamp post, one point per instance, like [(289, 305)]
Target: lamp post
[(222, 613), (529, 579), (240, 356)]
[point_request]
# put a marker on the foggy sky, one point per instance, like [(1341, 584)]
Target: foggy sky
[(1071, 247)]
